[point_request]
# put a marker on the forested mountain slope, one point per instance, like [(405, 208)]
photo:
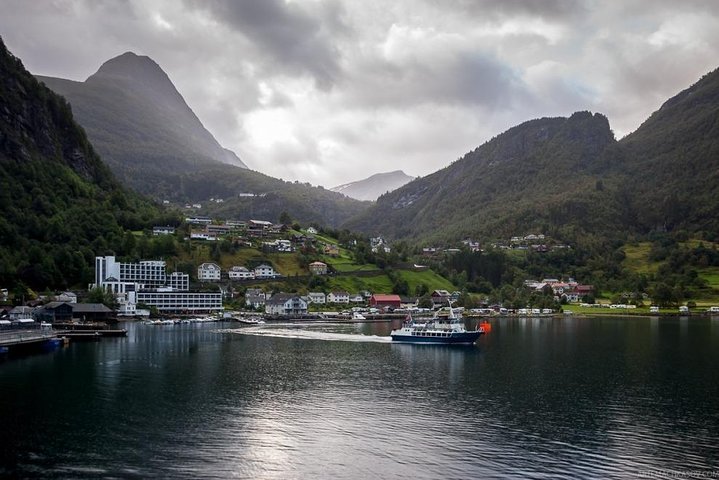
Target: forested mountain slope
[(538, 176), (60, 204)]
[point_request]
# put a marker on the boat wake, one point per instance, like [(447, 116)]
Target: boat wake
[(307, 334)]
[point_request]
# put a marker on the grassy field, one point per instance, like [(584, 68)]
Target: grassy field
[(637, 258), (427, 277), (346, 264), (379, 283)]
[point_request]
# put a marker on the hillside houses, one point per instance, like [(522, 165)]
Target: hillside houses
[(265, 271), (209, 272), (163, 230), (240, 273), (318, 268), (279, 245), (569, 291), (378, 244)]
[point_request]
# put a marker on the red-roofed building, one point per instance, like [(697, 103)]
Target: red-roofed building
[(379, 300)]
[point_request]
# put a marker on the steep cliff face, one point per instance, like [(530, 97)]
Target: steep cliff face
[(60, 203), (34, 122)]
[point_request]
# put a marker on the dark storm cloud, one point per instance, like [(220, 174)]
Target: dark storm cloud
[(296, 40), (456, 78), (548, 9)]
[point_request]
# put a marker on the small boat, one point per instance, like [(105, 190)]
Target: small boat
[(441, 329), (358, 316), (251, 320)]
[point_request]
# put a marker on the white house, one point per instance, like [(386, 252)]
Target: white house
[(312, 231), (265, 271), (67, 297), (208, 272), (338, 297), (255, 297), (317, 297), (203, 236), (279, 245), (318, 268), (356, 298), (286, 304), (163, 230), (240, 273), (198, 220)]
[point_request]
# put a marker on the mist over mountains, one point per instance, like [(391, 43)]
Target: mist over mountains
[(372, 187)]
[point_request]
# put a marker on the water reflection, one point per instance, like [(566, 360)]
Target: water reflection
[(538, 397)]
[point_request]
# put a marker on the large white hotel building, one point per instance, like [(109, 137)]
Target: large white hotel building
[(147, 283)]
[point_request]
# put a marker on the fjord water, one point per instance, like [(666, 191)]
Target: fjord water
[(537, 398)]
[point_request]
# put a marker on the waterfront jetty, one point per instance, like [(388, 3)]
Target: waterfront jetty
[(27, 340)]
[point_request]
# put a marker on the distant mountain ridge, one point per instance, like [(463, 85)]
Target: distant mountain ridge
[(569, 178), (372, 187), (153, 142)]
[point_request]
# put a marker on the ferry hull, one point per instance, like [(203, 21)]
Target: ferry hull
[(464, 338)]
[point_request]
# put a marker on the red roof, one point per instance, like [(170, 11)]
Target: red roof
[(381, 297)]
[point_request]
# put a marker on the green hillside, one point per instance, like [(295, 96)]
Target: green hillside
[(60, 204), (539, 176)]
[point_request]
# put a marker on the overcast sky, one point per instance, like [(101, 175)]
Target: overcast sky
[(328, 92)]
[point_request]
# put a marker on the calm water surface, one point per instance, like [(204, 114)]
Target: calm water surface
[(537, 398)]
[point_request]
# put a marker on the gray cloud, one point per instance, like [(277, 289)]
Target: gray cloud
[(330, 91), (297, 41)]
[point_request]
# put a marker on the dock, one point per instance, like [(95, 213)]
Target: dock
[(25, 337)]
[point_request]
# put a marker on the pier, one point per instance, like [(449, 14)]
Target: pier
[(25, 337), (26, 340)]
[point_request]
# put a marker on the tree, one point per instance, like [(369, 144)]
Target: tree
[(285, 218), (662, 295), (425, 301), (100, 295)]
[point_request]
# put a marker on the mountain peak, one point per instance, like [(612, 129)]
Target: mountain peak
[(372, 187), (135, 116), (139, 69)]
